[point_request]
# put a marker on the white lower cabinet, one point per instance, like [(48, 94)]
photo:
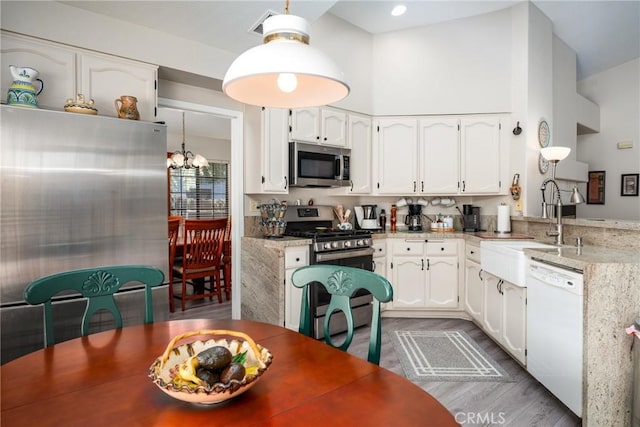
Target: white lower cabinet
[(492, 317), (505, 314), (294, 257), (424, 274), (514, 320), (474, 291)]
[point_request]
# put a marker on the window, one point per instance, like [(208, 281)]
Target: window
[(200, 193)]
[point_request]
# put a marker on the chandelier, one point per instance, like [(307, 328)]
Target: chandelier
[(186, 159), (285, 71)]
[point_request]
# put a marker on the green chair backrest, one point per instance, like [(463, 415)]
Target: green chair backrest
[(342, 282), (98, 285)]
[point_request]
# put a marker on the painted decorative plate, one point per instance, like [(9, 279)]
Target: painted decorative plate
[(543, 164), (544, 134)]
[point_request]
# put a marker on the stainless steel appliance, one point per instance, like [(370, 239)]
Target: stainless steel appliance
[(471, 218), (351, 248), (313, 165), (414, 219), (76, 191), (367, 217)]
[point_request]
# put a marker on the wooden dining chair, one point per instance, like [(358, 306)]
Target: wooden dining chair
[(174, 231), (201, 258), (97, 284), (342, 282), (226, 260)]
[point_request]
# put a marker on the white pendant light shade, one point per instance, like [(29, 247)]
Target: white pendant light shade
[(285, 71), (555, 153)]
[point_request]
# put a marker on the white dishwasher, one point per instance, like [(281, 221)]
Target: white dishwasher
[(554, 331)]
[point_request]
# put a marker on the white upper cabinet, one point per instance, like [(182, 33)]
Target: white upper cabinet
[(439, 155), (68, 71), (396, 150), (305, 125), (325, 126), (56, 67), (105, 79), (359, 138), (266, 150), (480, 155)]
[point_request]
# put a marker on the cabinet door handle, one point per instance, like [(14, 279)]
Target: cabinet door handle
[(414, 186), (422, 261), (428, 265), (297, 259), (351, 185), (480, 274), (373, 264), (422, 186), (463, 185), (285, 182)]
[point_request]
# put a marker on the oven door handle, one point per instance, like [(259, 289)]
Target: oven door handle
[(331, 256)]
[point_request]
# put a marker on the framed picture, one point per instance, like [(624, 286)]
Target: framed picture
[(629, 184), (595, 188)]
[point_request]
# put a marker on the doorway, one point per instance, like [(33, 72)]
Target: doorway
[(236, 207)]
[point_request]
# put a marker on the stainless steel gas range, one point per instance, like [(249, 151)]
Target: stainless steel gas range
[(351, 248)]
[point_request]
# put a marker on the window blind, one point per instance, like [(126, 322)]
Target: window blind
[(200, 193)]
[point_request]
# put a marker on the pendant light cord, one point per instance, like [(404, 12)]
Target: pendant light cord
[(183, 139), (286, 8)]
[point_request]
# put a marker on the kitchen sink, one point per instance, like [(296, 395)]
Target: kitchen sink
[(506, 259)]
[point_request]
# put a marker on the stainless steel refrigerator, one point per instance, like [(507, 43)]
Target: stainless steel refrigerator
[(77, 191)]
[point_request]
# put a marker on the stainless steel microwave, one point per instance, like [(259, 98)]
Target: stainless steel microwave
[(313, 165)]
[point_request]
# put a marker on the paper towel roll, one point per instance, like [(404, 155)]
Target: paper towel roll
[(504, 220)]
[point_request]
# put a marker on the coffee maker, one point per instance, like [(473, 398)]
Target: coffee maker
[(471, 218), (414, 219), (367, 217)]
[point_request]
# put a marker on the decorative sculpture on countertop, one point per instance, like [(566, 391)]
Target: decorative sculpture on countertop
[(22, 92)]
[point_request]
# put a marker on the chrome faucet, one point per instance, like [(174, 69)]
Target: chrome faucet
[(557, 233)]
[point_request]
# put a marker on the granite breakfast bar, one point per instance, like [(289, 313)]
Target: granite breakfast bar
[(263, 278), (611, 303)]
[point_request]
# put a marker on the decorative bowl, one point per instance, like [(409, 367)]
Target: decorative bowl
[(164, 370)]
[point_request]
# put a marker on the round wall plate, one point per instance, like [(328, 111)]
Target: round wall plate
[(544, 133), (543, 164)]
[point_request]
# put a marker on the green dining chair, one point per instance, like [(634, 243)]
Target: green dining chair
[(342, 282), (97, 284)]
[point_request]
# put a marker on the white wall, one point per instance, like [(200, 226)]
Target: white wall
[(565, 113), (617, 92), (456, 67), (351, 48)]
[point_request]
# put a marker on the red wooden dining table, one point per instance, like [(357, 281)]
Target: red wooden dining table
[(102, 380)]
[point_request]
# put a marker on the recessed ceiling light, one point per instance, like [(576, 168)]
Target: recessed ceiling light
[(399, 10)]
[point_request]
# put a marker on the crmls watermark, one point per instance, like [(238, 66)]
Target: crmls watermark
[(480, 418)]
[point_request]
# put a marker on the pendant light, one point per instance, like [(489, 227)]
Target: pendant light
[(285, 71), (186, 159)]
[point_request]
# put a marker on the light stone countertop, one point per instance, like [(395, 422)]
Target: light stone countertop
[(580, 257)]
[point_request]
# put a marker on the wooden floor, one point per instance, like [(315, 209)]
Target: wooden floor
[(523, 403)]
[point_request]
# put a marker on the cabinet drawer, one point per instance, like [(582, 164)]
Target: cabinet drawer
[(472, 252), (442, 248), (380, 248), (296, 257), (408, 247)]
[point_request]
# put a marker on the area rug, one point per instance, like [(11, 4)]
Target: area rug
[(444, 356)]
